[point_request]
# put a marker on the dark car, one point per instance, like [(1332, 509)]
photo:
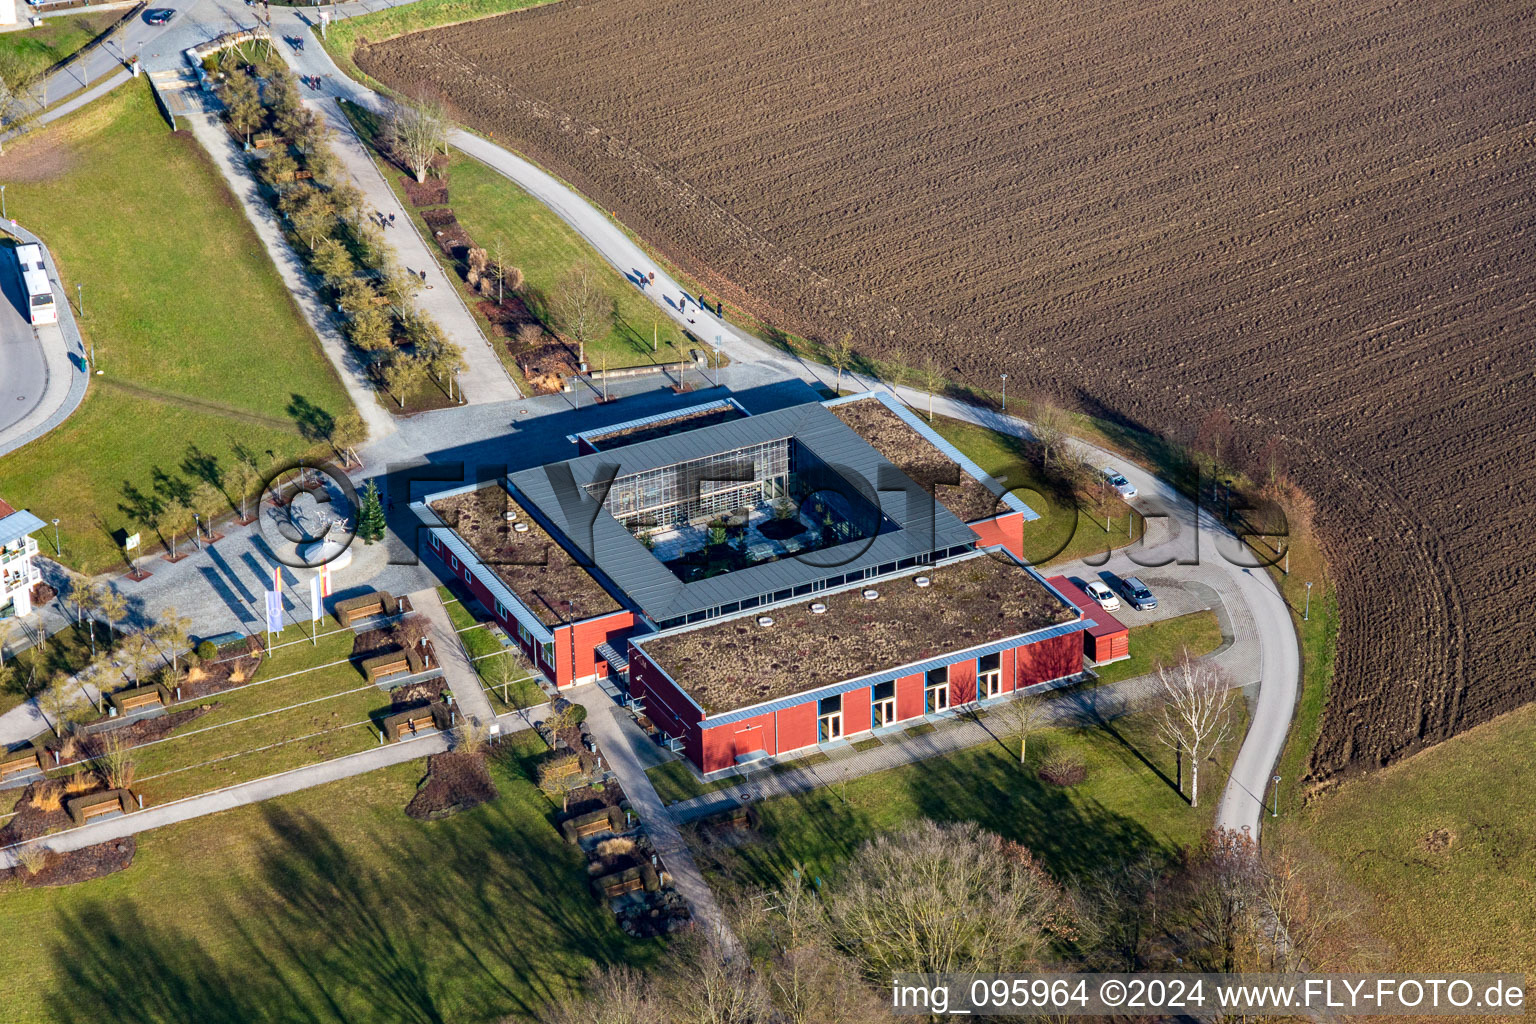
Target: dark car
[(1137, 594), (159, 15)]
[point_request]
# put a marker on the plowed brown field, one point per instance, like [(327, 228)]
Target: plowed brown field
[(1317, 216)]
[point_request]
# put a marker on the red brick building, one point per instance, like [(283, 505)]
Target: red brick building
[(763, 584)]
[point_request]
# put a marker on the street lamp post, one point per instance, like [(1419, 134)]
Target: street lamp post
[(80, 298), (56, 549), (1274, 808), (1005, 392), (197, 529), (1306, 614)]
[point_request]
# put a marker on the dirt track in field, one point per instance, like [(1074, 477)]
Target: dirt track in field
[(1316, 216)]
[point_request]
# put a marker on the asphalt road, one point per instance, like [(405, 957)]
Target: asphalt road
[(23, 367), (1210, 553)]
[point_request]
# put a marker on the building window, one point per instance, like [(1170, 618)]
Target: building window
[(882, 704), (433, 538), (936, 691), (522, 632), (453, 560), (547, 655), (829, 719), (989, 676)]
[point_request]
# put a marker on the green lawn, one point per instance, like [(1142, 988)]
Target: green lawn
[(675, 781), (201, 344), (1063, 532), (67, 651), (494, 209), (1444, 845), (1162, 643), (327, 905), (1126, 807), (32, 51)]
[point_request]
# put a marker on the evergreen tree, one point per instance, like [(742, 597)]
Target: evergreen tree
[(370, 518)]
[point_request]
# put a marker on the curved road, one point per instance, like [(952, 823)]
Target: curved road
[(43, 370), (1187, 543), (1186, 534)]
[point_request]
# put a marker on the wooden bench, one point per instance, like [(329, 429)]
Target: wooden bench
[(408, 660), (628, 880), (92, 805), (609, 819), (414, 724), (20, 761), (137, 697), (412, 720), (364, 606)]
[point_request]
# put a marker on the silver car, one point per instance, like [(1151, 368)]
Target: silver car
[(1117, 480)]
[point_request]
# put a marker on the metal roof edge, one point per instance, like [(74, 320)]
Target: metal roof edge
[(499, 590), (933, 437)]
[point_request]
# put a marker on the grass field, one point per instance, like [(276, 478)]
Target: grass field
[(201, 345), (1063, 532), (485, 651), (35, 50), (1162, 643), (493, 209), (1126, 807), (675, 781), (1445, 847), (327, 905)]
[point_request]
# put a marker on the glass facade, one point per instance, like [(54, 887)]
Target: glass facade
[(701, 489)]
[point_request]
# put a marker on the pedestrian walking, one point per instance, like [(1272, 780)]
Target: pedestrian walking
[(391, 220)]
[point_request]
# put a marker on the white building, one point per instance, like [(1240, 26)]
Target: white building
[(18, 554)]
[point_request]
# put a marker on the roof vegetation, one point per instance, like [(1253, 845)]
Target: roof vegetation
[(737, 663), (532, 564), (916, 456)]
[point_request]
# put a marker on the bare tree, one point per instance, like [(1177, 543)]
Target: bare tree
[(618, 995), (582, 308), (114, 607), (1048, 424), (931, 381), (60, 705), (1194, 719), (942, 898), (1024, 714), (842, 358), (416, 130)]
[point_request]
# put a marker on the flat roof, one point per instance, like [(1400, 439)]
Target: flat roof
[(916, 527), (16, 525), (927, 457), (734, 663), (636, 431), (537, 569), (1104, 624)]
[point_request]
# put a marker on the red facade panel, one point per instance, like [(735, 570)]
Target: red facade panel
[(797, 726), (1052, 658), (856, 711), (962, 682), (909, 697), (1007, 530)]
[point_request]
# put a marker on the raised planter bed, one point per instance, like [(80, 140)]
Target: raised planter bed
[(92, 805), (136, 697), (365, 606), (585, 826)]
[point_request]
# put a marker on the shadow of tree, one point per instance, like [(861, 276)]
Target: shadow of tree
[(470, 918), (313, 422)]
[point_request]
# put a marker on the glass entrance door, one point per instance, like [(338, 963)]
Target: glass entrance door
[(829, 719)]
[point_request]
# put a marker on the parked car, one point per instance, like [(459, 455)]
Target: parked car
[(159, 15), (1102, 594), (1138, 594), (1117, 480)]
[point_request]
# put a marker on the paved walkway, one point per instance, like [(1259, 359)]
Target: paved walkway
[(484, 379), (252, 792), (43, 370), (659, 824), (230, 161), (1072, 706), (460, 672)]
